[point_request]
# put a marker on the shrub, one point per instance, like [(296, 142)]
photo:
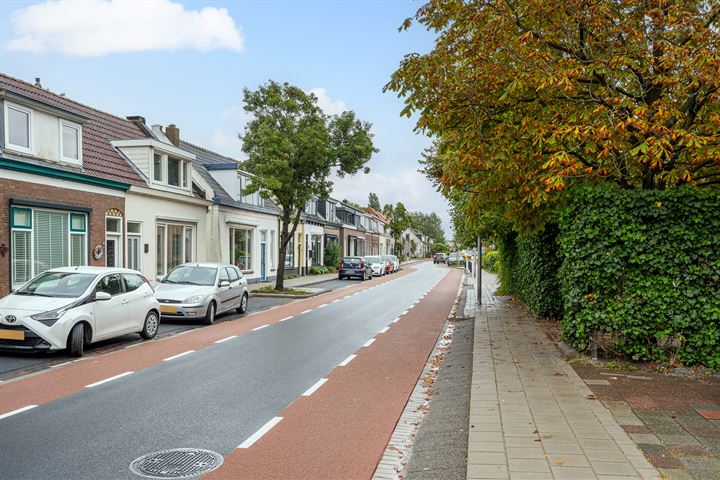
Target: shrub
[(332, 255), (318, 270), (643, 265), (490, 260)]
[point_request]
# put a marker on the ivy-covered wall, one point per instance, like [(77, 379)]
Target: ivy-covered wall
[(644, 265)]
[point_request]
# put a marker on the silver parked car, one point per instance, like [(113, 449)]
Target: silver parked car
[(202, 290)]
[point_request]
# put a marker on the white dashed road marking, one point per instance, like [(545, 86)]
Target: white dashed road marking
[(260, 327), (258, 435), (19, 410), (347, 360), (108, 380), (226, 339), (178, 355), (314, 388), (384, 330), (369, 342)]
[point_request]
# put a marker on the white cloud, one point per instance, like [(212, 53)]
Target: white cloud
[(329, 106), (227, 143), (93, 28)]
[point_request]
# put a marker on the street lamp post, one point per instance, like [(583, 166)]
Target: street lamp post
[(478, 282)]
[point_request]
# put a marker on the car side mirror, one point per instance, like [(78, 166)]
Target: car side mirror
[(161, 278), (224, 283), (102, 296)]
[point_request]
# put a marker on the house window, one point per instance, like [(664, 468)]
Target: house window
[(185, 174), (43, 239), (70, 142), (157, 168), (134, 241), (174, 246), (272, 250), (18, 127), (174, 173), (290, 253), (241, 248)]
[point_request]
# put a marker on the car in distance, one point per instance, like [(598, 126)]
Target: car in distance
[(439, 258), (377, 265), (389, 265), (396, 263), (202, 290), (70, 307), (355, 267), (454, 257)]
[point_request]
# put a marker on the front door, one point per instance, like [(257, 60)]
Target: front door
[(113, 251)]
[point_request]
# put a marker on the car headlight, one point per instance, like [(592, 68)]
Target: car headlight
[(50, 317), (194, 299)]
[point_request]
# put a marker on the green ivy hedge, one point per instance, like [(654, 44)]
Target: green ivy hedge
[(528, 270), (490, 261), (644, 265)]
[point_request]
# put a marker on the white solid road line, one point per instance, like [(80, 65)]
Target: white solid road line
[(347, 360), (335, 301), (323, 305), (369, 342), (312, 389), (178, 355), (286, 318), (108, 380), (258, 435), (384, 330), (396, 320), (19, 410), (306, 311), (226, 339), (260, 327), (404, 313), (61, 364)]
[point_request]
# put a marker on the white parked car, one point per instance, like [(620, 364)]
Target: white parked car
[(396, 263), (377, 264), (74, 306), (202, 290)]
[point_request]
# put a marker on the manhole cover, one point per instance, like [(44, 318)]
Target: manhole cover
[(176, 463)]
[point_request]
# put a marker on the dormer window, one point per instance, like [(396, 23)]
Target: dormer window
[(171, 171), (157, 168), (18, 127), (70, 141), (174, 172)]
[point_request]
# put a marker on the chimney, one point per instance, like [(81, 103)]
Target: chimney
[(173, 134), (138, 120), (37, 82)]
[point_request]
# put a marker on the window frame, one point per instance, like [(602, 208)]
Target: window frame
[(131, 236), (184, 171), (166, 251), (249, 247), (78, 128), (6, 118)]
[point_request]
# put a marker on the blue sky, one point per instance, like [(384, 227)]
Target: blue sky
[(185, 62)]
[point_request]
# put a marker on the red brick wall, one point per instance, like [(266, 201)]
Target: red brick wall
[(59, 196)]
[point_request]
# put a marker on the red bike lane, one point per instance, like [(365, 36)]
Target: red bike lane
[(340, 430)]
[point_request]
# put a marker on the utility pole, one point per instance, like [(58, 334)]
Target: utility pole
[(478, 281)]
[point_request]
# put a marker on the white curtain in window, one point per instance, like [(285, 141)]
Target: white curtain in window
[(21, 271)]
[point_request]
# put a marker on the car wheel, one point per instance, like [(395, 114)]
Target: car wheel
[(340, 277), (76, 341), (210, 314), (150, 327), (243, 304)]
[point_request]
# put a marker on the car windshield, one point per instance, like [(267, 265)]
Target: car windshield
[(352, 259), (192, 275), (374, 259), (57, 284)]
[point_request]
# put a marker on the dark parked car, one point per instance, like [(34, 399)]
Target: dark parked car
[(355, 267)]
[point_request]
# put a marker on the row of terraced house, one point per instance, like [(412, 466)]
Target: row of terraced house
[(79, 186)]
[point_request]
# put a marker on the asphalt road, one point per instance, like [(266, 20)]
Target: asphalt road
[(213, 398)]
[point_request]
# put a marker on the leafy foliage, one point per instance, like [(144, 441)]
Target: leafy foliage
[(439, 247), (292, 148), (528, 97), (429, 224), (399, 221), (645, 266), (490, 261), (374, 201), (529, 270), (332, 255), (318, 270)]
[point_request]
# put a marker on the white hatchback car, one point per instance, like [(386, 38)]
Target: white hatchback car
[(74, 306)]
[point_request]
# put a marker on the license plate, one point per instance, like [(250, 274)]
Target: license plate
[(12, 334), (167, 309)]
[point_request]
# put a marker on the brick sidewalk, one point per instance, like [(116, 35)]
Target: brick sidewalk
[(531, 416)]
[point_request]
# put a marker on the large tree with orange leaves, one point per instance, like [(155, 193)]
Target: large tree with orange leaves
[(526, 97)]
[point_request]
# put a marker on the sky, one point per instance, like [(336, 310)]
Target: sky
[(187, 62)]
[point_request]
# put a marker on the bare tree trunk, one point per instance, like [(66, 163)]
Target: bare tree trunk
[(285, 237)]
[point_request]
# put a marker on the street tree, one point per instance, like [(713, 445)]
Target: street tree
[(292, 148), (399, 221), (526, 98), (374, 201), (429, 224)]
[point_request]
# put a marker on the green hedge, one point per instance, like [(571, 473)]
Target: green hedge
[(490, 261), (332, 255), (528, 270), (645, 266)]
